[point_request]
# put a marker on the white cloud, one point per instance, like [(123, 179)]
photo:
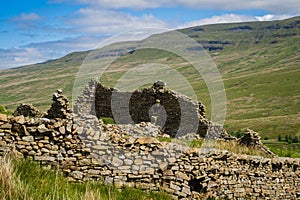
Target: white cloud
[(116, 4), (89, 20), (26, 21), (232, 18), (227, 18), (102, 17), (270, 17), (109, 22), (16, 57), (27, 17), (274, 6), (67, 44), (40, 52)]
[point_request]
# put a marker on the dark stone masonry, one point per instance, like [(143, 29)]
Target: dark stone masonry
[(28, 110), (130, 155), (175, 113)]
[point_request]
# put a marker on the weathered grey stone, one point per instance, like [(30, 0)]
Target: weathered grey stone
[(20, 119), (42, 128), (117, 162), (44, 158), (69, 127), (108, 180), (44, 150), (53, 152), (62, 130), (186, 190), (128, 162), (28, 138), (181, 175), (31, 129), (138, 161), (94, 172), (77, 175), (31, 153), (84, 162), (29, 148), (2, 143), (168, 172), (6, 126), (174, 186), (147, 140)]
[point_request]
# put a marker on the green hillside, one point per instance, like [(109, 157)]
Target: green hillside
[(259, 62)]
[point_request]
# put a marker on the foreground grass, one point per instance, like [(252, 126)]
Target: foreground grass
[(231, 146), (24, 180), (234, 147)]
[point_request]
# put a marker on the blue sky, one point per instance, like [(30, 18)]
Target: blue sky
[(33, 31)]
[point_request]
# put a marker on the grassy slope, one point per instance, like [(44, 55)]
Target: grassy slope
[(260, 65), (36, 83), (261, 72)]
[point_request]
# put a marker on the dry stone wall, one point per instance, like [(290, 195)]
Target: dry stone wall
[(87, 150)]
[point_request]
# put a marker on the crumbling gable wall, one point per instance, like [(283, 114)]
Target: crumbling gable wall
[(177, 114)]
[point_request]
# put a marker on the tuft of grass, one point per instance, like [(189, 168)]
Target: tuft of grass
[(22, 179), (195, 143), (164, 139), (107, 120), (234, 147), (7, 187), (3, 110), (238, 134)]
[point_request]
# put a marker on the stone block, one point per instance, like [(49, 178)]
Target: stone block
[(28, 138), (3, 117), (77, 175)]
